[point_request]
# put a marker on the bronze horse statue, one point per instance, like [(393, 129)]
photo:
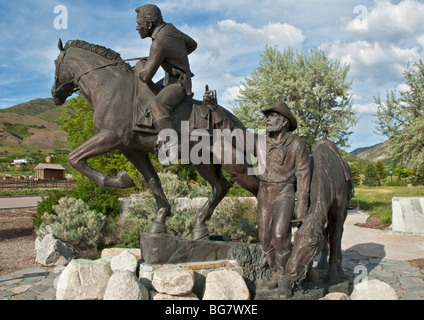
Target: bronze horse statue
[(111, 86), (331, 191)]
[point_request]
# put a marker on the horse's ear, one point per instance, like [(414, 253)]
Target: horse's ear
[(60, 45)]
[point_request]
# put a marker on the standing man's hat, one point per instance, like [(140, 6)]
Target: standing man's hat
[(283, 109)]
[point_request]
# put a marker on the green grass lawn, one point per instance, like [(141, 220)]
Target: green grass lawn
[(378, 200)]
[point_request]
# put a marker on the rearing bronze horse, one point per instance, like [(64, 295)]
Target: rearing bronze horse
[(108, 83)]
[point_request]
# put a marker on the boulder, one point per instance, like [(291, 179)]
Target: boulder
[(176, 282), (225, 285), (336, 296), (84, 280), (124, 285), (373, 290), (126, 261), (163, 296), (111, 252), (50, 251)]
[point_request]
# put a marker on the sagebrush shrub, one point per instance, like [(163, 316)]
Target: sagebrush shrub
[(232, 217), (75, 223)]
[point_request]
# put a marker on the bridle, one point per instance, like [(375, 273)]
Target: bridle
[(56, 79), (77, 79)]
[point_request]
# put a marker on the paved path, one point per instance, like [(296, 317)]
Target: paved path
[(380, 254), (19, 202), (385, 256)]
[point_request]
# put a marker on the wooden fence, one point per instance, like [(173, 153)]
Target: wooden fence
[(33, 184)]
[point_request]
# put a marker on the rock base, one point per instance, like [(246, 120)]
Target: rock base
[(307, 291), (165, 249)]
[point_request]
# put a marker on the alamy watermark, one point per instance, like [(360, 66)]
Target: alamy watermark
[(361, 20), (61, 20), (222, 146), (362, 276)]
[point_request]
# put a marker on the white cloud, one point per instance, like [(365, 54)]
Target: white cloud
[(403, 87), (231, 93), (387, 21), (227, 51), (373, 61), (281, 34), (420, 40), (365, 108)]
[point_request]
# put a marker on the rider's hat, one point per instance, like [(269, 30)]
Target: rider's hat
[(281, 108)]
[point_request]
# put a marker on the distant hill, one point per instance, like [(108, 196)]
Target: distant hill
[(28, 132), (30, 126), (358, 151), (381, 152), (44, 109)]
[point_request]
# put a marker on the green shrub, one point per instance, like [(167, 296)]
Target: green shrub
[(235, 218), (102, 200), (174, 187), (75, 223), (46, 205), (232, 217)]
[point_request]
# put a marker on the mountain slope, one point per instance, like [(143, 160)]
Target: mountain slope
[(30, 132), (42, 108), (380, 151)]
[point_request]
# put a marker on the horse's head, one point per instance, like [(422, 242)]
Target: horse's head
[(64, 82), (307, 244)]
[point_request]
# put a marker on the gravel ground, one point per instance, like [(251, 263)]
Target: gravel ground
[(17, 239)]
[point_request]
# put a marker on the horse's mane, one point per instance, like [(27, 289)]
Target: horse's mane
[(100, 50)]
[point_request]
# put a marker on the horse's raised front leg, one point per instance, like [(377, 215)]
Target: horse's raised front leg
[(143, 164), (220, 186), (101, 143)]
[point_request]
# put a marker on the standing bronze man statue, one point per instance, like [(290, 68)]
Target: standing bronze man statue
[(169, 49), (287, 168), (287, 165)]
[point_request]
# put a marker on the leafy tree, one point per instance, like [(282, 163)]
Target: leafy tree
[(418, 173), (401, 118), (381, 170), (403, 172), (356, 174), (371, 176), (314, 87)]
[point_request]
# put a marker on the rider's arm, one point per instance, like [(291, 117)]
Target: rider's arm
[(191, 45), (153, 62)]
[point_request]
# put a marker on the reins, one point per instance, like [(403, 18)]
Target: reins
[(112, 63), (108, 65)]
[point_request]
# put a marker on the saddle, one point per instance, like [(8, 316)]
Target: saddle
[(193, 111)]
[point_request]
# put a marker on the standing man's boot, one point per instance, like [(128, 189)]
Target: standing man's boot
[(284, 285)]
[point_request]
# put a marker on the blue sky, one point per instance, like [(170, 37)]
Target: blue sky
[(377, 38)]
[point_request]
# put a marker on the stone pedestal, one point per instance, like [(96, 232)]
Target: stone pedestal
[(408, 215), (165, 249)]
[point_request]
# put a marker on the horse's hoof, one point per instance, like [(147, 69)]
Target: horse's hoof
[(332, 278), (124, 180), (322, 265), (201, 233), (312, 275), (157, 227)]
